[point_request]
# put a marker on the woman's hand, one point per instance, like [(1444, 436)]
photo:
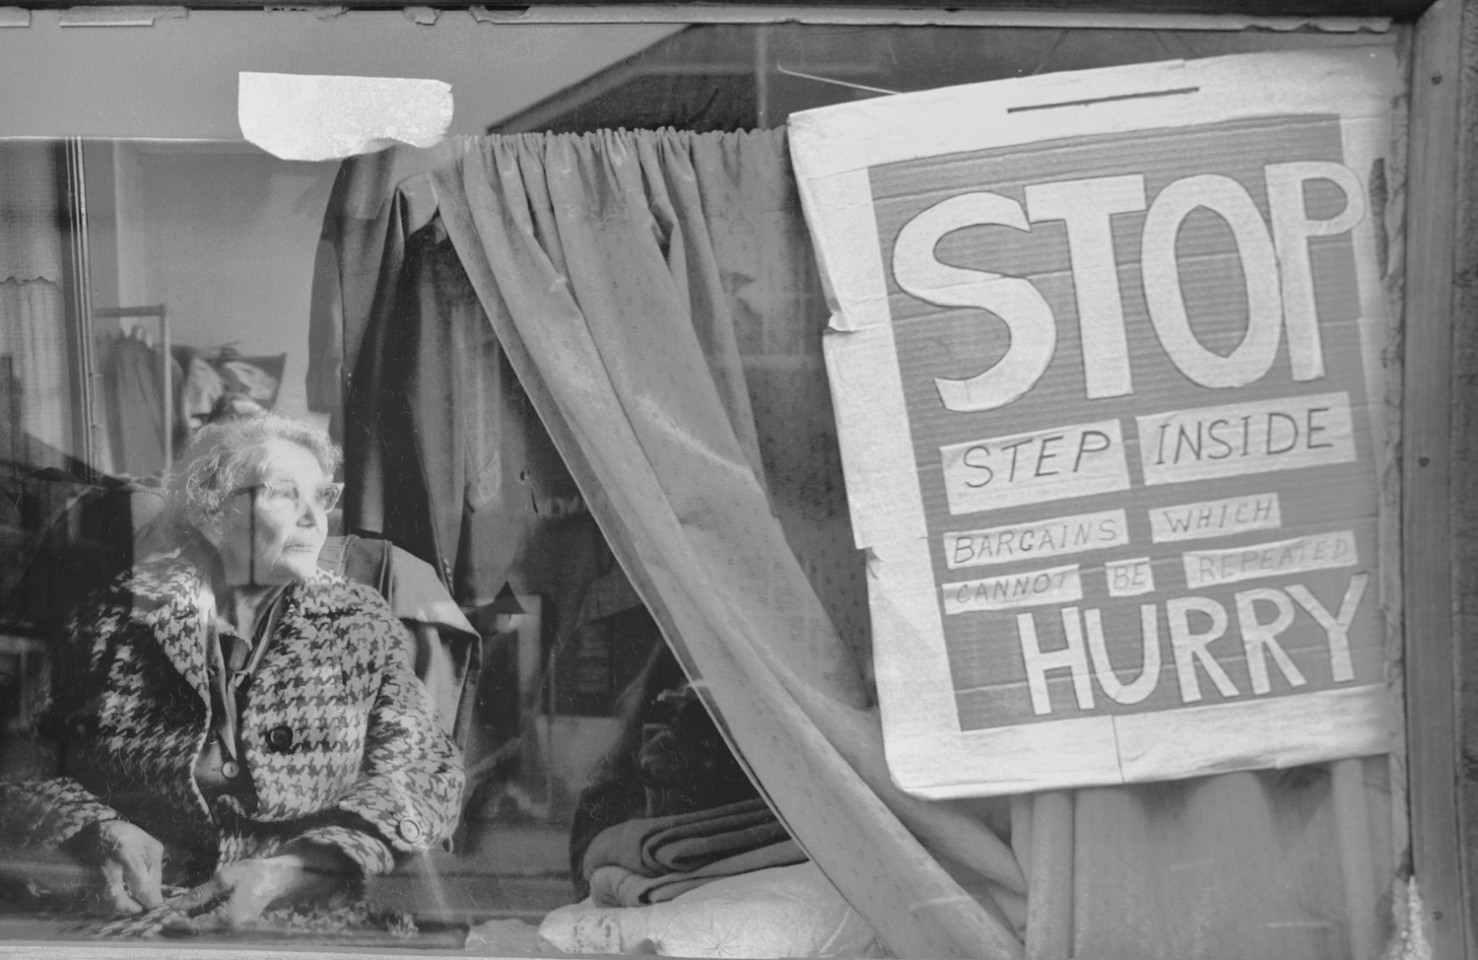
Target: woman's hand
[(130, 863), (240, 891)]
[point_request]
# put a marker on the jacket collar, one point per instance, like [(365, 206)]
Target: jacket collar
[(166, 600)]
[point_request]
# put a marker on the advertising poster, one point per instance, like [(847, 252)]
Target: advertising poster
[(1105, 357)]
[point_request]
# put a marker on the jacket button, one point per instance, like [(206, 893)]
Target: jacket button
[(410, 830), (280, 738)]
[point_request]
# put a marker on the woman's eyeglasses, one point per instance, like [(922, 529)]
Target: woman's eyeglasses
[(282, 493)]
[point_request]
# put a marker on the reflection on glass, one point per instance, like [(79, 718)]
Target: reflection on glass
[(439, 711)]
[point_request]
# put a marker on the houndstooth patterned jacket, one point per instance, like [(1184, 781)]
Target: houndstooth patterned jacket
[(339, 736)]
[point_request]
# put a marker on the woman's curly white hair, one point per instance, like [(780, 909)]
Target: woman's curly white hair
[(226, 456)]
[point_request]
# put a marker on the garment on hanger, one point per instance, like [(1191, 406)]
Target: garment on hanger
[(133, 378), (444, 455)]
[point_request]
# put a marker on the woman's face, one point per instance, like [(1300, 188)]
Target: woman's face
[(275, 528)]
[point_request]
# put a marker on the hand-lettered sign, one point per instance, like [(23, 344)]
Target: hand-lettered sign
[(1105, 357)]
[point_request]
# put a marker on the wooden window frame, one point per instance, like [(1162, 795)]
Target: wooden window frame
[(1434, 559)]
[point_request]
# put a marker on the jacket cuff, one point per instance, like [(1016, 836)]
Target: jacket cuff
[(368, 853), (393, 818), (52, 811)]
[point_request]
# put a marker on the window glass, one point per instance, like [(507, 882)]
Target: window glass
[(432, 692)]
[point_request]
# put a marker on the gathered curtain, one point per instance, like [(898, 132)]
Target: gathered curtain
[(657, 297), (35, 363)]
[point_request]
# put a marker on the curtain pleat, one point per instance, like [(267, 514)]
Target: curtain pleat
[(32, 306)]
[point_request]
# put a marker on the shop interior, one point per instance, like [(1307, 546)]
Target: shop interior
[(146, 285)]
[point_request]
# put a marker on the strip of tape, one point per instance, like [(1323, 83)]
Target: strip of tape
[(312, 117), (318, 11), (15, 17), (127, 16)]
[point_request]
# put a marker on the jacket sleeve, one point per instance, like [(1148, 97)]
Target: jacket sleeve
[(409, 793), (40, 805)]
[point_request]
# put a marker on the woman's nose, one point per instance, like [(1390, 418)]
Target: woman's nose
[(312, 515)]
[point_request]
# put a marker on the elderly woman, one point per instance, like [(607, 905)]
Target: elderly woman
[(229, 716)]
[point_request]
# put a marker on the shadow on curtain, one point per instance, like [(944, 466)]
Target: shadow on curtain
[(655, 292)]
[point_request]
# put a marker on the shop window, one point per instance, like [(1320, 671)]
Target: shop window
[(538, 693)]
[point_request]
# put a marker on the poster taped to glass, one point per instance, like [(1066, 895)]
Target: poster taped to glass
[(1105, 355)]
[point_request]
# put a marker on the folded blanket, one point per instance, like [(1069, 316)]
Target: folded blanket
[(616, 886), (684, 842), (783, 912)]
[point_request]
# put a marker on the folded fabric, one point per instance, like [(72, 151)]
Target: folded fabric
[(782, 912), (683, 842), (616, 886)]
